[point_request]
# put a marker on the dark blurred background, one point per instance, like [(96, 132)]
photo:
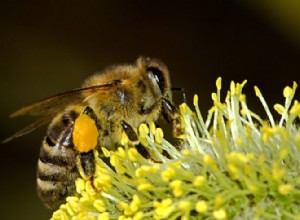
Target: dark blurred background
[(52, 46)]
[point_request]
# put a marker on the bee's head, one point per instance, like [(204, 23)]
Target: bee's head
[(157, 74)]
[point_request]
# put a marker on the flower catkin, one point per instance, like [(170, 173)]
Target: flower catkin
[(233, 164)]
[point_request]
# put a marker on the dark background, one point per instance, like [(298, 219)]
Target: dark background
[(52, 47)]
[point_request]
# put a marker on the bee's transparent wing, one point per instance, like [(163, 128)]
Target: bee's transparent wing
[(57, 103), (49, 107), (29, 128)]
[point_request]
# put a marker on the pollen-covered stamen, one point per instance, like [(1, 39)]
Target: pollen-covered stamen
[(85, 133)]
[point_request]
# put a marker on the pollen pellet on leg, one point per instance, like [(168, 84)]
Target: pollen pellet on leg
[(85, 133)]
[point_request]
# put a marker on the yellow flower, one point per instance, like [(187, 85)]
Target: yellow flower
[(229, 165)]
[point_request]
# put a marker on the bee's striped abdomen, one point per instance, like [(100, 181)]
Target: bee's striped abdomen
[(57, 170)]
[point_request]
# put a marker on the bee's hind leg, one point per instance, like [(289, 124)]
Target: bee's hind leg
[(90, 112), (86, 164), (85, 161)]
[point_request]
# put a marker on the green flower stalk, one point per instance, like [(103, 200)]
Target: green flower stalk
[(233, 165)]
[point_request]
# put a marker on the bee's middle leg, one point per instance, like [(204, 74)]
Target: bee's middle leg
[(134, 138)]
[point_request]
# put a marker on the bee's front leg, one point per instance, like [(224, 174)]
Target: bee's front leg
[(172, 114)]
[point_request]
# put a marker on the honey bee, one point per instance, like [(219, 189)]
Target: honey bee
[(109, 103)]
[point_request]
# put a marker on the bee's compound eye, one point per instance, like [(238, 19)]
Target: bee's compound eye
[(85, 134), (158, 76)]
